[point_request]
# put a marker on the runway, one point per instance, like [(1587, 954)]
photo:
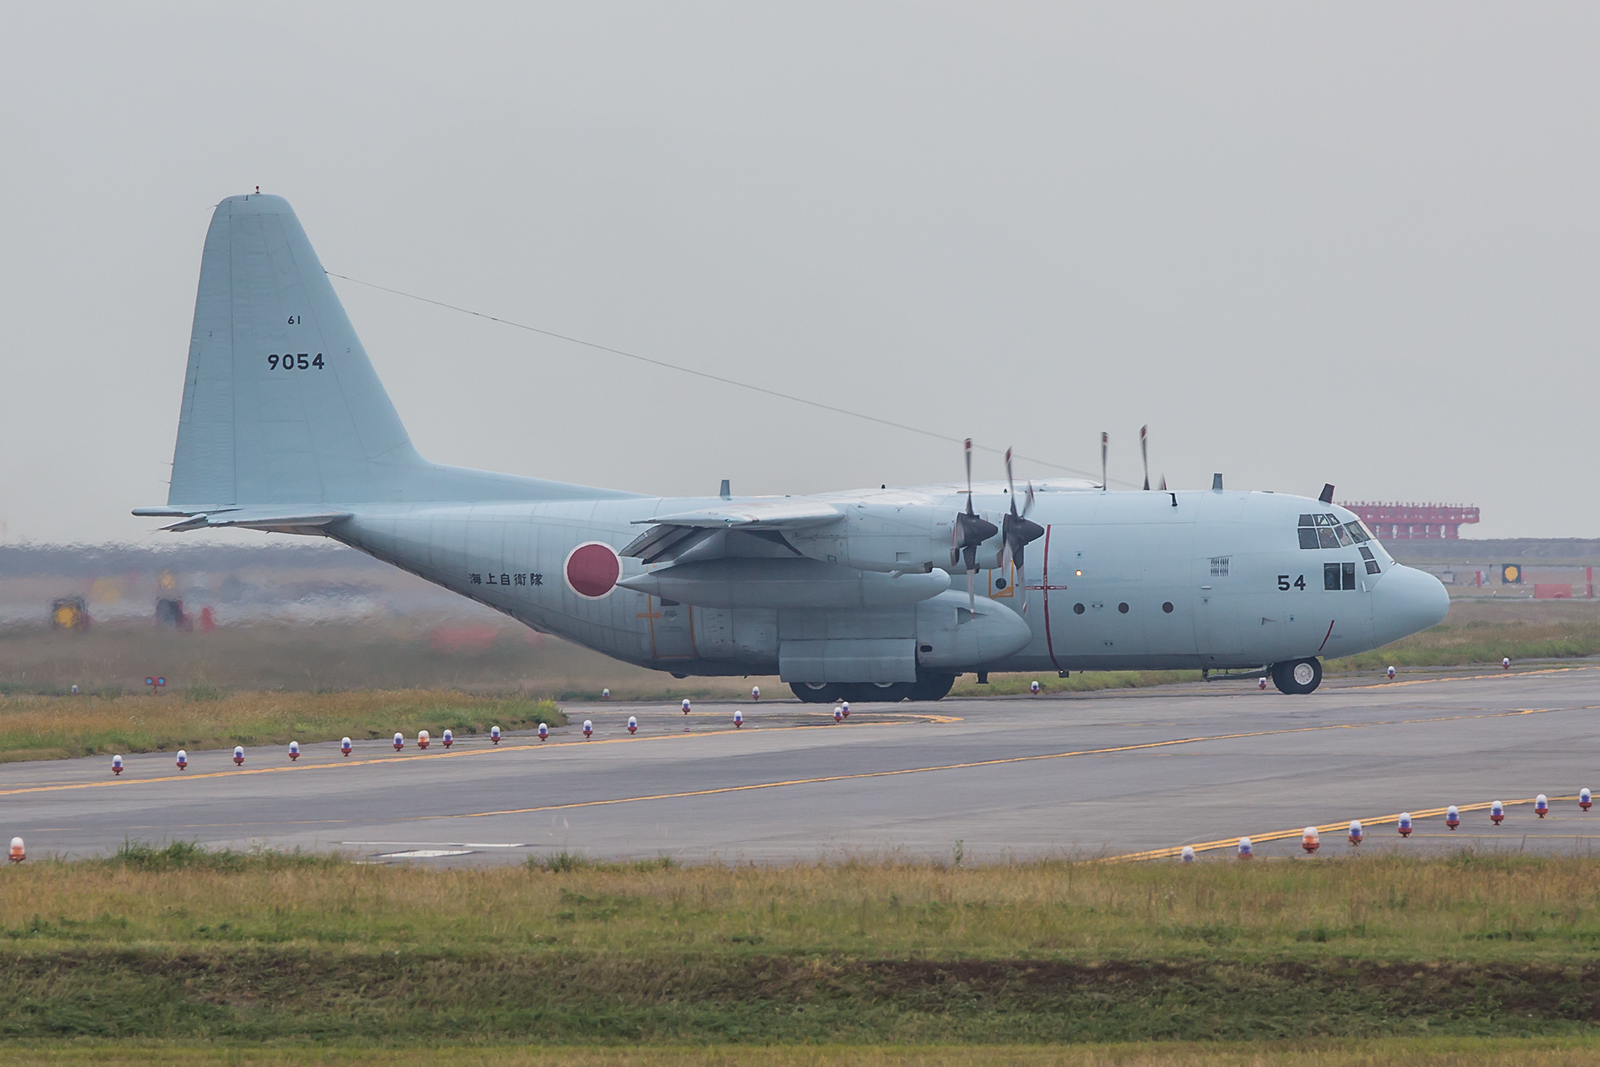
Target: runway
[(1133, 773)]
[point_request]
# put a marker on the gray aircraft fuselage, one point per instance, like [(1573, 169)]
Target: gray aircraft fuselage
[(286, 427)]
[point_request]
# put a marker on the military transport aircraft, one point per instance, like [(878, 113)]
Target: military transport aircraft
[(883, 594)]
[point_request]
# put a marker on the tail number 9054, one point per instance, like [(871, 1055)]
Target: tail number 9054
[(291, 361)]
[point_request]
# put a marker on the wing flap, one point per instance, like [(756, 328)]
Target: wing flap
[(776, 514)]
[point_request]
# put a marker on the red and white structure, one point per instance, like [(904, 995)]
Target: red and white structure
[(1414, 522)]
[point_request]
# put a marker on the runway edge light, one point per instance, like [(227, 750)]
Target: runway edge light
[(845, 707), (344, 746), (1405, 824), (738, 719), (1355, 831), (838, 714), (238, 755), (448, 739), (294, 751), (1505, 664), (605, 694), (1246, 849), (1452, 816), (686, 705), (422, 739), (183, 760), (399, 741), (755, 692), (1541, 804), (1390, 673), (1187, 855), (1309, 840), (588, 729), (1033, 687), (544, 731), (494, 734), (116, 764), (1261, 684), (1497, 812), (1584, 799), (18, 853), (633, 725)]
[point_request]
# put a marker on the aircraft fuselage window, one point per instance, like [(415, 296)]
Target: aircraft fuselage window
[(1338, 576), (1372, 563)]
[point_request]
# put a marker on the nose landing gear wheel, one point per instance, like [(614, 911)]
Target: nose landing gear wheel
[(1297, 677)]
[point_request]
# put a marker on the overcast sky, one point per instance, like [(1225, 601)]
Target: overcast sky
[(1353, 243)]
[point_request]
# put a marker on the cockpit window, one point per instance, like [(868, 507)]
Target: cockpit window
[(1327, 531)]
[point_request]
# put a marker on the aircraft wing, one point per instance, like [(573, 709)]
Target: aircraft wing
[(778, 514), (283, 519)]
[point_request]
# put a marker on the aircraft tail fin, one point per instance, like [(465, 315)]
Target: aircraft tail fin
[(280, 403)]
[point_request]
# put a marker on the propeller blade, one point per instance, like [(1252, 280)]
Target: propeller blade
[(1144, 450), (1105, 445), (1163, 483), (1011, 485), (1029, 505), (968, 449)]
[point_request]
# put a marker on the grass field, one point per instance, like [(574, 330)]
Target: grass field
[(180, 945), (202, 717)]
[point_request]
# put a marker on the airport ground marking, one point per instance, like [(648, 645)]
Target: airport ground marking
[(1330, 828), (900, 718), (999, 761), (1468, 678)]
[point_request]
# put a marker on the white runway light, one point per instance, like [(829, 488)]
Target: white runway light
[(18, 853), (845, 707), (238, 755), (344, 746), (448, 739), (1584, 798), (838, 715), (544, 731), (588, 729), (422, 739), (183, 760), (1309, 840), (1452, 816), (1261, 684), (755, 692), (494, 734), (1505, 664), (1187, 855), (1390, 673), (1033, 687), (738, 719), (633, 725), (1541, 804), (399, 742), (116, 764), (605, 694), (294, 751), (1405, 824), (1497, 812), (1355, 832), (1246, 849), (686, 705)]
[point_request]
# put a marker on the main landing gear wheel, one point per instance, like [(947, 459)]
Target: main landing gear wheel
[(1298, 676), (813, 692), (932, 686)]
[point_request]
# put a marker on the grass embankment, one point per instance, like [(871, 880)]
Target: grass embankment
[(56, 727), (1483, 632), (1424, 1052), (178, 944)]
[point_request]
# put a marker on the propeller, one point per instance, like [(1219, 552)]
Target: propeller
[(1105, 445), (1144, 450), (970, 531), (1017, 530)]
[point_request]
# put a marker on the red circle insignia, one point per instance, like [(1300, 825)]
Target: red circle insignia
[(593, 569)]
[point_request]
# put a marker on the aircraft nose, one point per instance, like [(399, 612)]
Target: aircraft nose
[(1405, 601)]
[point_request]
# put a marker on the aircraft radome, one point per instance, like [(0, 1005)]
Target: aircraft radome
[(864, 594)]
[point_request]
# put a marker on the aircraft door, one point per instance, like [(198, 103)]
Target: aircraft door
[(1216, 612), (671, 628)]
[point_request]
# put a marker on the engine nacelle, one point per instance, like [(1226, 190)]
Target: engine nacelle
[(883, 537)]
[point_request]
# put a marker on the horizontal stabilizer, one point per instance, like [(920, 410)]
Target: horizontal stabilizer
[(285, 520)]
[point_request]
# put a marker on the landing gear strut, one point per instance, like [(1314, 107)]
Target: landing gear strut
[(1297, 676)]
